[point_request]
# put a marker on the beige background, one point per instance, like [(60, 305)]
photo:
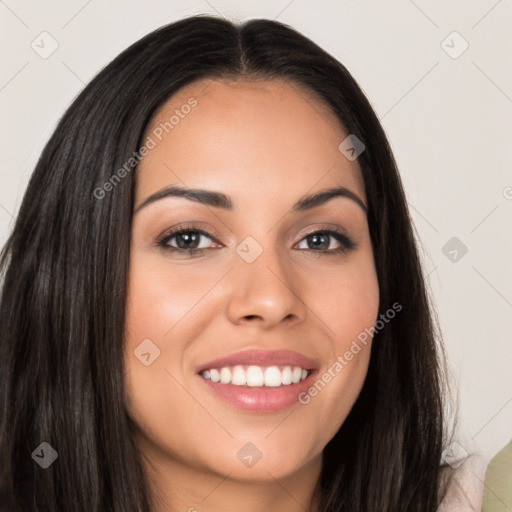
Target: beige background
[(448, 117)]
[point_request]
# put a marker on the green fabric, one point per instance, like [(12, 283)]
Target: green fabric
[(498, 482)]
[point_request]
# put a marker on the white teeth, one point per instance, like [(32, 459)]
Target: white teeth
[(296, 375), (256, 376), (272, 376), (225, 375), (238, 377), (286, 376)]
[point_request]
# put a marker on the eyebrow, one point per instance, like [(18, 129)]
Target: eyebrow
[(221, 200)]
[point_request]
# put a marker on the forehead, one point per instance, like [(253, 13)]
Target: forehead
[(247, 138)]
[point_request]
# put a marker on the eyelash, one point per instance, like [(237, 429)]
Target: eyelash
[(347, 243)]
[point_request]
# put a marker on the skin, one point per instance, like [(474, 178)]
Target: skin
[(266, 144)]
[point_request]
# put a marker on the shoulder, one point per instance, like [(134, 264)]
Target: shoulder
[(463, 485)]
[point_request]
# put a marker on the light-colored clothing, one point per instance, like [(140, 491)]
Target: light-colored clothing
[(465, 485)]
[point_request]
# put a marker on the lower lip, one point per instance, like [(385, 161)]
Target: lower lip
[(260, 399)]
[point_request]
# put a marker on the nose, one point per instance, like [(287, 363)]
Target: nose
[(265, 293)]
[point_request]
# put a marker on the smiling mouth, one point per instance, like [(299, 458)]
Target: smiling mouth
[(259, 381), (257, 376)]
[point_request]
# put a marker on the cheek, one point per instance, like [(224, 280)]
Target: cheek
[(348, 311), (158, 298), (154, 398), (348, 301)]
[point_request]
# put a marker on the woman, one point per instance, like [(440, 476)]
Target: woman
[(212, 295)]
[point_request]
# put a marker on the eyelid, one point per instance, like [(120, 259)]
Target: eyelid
[(324, 227), (195, 226)]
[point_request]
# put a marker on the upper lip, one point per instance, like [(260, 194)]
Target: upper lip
[(262, 358)]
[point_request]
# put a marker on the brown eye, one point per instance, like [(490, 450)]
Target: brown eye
[(186, 239)]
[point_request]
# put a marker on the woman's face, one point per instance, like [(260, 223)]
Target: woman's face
[(261, 301)]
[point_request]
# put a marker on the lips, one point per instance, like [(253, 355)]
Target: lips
[(259, 380), (262, 358)]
